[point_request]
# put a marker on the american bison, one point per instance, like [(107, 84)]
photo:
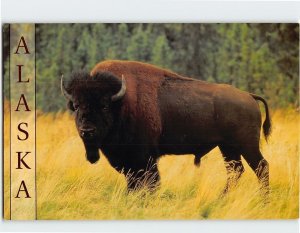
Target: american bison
[(135, 113)]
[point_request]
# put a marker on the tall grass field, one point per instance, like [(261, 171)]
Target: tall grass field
[(69, 187)]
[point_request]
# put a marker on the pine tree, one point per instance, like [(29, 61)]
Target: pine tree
[(140, 48), (161, 54)]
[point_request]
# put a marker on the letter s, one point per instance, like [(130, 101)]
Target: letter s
[(23, 131)]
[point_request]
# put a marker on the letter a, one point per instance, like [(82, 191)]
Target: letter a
[(24, 103), (24, 45), (23, 190)]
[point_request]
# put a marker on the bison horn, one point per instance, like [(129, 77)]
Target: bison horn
[(121, 92), (63, 90)]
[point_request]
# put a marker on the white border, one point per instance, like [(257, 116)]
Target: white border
[(92, 11), (89, 11)]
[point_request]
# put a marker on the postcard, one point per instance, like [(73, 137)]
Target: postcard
[(142, 121)]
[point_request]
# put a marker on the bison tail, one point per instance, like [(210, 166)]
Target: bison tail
[(267, 125)]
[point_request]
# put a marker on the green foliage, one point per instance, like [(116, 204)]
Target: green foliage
[(252, 62), (259, 58), (140, 45), (162, 54)]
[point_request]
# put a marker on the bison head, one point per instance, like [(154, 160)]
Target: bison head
[(95, 100)]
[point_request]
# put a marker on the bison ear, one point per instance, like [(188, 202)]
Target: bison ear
[(70, 106)]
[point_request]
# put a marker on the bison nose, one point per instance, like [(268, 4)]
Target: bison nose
[(87, 133)]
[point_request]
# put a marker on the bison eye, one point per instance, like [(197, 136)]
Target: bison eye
[(75, 106), (105, 108)]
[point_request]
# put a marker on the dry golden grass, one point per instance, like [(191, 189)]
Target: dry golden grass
[(69, 187)]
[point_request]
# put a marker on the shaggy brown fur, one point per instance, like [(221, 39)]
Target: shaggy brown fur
[(165, 113), (143, 82)]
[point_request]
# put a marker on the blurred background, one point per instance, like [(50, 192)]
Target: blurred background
[(259, 58)]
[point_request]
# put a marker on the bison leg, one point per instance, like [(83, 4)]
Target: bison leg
[(234, 166), (147, 177), (260, 166)]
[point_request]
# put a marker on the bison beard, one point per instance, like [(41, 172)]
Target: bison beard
[(92, 152), (142, 112)]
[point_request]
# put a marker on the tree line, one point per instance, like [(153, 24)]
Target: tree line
[(259, 58)]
